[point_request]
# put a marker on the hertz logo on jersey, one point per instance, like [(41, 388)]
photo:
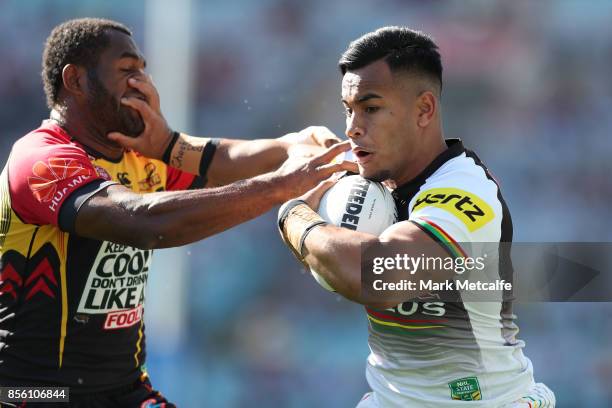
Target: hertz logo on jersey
[(469, 208)]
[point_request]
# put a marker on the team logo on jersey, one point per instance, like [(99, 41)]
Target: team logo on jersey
[(123, 178), (116, 285), (103, 173), (469, 208), (465, 389), (152, 179), (46, 176)]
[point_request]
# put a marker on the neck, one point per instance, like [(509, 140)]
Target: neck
[(80, 127), (421, 159)]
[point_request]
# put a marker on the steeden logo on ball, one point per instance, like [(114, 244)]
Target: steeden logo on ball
[(358, 204)]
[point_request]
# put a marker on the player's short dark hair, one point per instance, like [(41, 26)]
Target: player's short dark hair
[(402, 49), (79, 42)]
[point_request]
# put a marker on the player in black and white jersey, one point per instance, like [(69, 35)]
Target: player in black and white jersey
[(423, 354)]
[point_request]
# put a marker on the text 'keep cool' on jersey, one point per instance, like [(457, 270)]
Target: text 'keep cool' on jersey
[(71, 308), (441, 354)]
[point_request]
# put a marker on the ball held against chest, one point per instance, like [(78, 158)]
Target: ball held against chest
[(358, 204)]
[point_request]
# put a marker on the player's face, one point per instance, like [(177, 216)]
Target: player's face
[(108, 83), (380, 120)]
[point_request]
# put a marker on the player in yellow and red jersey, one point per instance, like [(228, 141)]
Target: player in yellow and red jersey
[(80, 214)]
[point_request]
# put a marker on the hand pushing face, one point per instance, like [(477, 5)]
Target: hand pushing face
[(108, 83)]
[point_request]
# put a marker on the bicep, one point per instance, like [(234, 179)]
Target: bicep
[(223, 162), (407, 238), (405, 231), (431, 236), (240, 159), (108, 215)]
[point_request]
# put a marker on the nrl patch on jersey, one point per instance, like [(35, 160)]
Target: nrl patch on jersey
[(465, 389), (116, 285)]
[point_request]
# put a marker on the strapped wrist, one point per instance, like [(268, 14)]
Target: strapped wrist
[(295, 221)]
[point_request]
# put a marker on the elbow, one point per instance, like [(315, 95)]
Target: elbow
[(141, 238), (379, 304), (144, 231), (358, 293), (146, 228), (376, 299), (155, 234), (144, 242)]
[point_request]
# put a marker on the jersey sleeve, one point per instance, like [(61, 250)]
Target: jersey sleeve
[(180, 180), (458, 212), (43, 177)]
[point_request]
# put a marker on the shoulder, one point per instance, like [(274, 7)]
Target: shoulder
[(47, 140), (463, 192), (47, 154), (44, 167)]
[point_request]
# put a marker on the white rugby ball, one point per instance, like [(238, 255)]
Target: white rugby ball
[(358, 204)]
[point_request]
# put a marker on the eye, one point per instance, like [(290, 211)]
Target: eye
[(371, 109), (348, 112), (128, 70)]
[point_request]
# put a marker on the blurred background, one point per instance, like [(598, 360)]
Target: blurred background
[(232, 318)]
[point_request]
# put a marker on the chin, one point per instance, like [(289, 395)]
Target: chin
[(131, 124), (374, 175)]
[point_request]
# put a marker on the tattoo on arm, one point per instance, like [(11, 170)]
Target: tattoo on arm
[(187, 153), (177, 159)]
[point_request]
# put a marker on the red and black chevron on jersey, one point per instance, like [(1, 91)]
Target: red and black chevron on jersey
[(71, 308)]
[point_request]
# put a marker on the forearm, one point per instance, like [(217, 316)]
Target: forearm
[(240, 159), (232, 160), (183, 217), (168, 219), (335, 253)]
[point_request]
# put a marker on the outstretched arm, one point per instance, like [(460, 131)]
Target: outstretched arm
[(223, 160), (167, 219)]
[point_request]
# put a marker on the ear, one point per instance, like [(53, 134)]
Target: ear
[(74, 79), (427, 105)]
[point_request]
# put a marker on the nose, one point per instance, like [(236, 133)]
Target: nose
[(354, 128), (139, 74)]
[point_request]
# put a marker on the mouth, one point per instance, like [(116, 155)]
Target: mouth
[(136, 95), (362, 155)]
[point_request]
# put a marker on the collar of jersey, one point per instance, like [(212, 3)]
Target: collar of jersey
[(454, 149), (53, 125)]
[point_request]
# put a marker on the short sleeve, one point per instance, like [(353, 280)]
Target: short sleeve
[(180, 180), (43, 176)]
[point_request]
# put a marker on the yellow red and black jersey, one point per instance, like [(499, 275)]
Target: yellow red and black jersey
[(71, 308)]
